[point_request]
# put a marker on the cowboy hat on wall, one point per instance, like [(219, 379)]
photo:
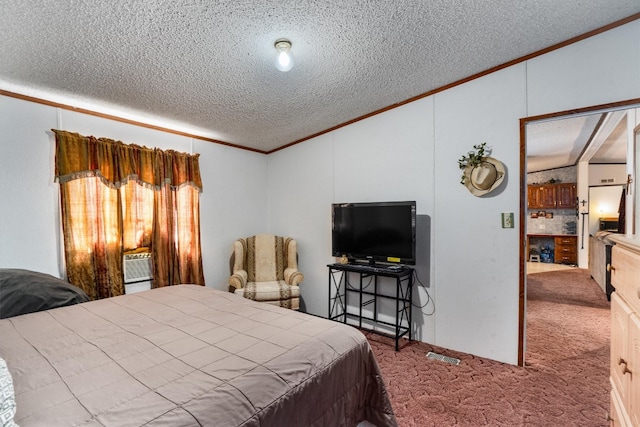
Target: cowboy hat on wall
[(481, 174)]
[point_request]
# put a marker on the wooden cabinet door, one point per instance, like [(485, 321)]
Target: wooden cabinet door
[(533, 196), (625, 275), (634, 367), (620, 313), (566, 196), (616, 417), (541, 196), (548, 196)]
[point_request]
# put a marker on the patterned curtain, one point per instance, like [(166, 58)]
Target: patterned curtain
[(91, 224), (108, 189)]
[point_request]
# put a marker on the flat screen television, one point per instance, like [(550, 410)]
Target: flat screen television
[(375, 232)]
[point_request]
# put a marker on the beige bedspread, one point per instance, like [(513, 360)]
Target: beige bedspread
[(188, 356)]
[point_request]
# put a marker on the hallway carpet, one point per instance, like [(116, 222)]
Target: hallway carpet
[(564, 383)]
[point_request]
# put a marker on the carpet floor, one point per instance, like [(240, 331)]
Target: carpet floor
[(565, 380)]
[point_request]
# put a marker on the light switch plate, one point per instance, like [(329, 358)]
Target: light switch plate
[(507, 219)]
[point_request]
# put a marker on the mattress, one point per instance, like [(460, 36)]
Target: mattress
[(189, 355)]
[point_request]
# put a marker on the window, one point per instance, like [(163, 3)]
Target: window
[(117, 197), (137, 215)]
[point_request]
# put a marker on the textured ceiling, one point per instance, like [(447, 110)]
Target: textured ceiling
[(205, 67), (597, 138), (558, 143)]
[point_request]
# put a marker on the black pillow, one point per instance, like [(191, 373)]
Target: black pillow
[(24, 291)]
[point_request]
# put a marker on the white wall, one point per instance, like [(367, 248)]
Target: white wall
[(601, 174), (302, 214), (305, 179), (594, 71), (29, 218), (411, 152), (232, 203), (583, 220)]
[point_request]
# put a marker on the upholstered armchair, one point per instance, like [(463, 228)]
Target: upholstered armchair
[(265, 268)]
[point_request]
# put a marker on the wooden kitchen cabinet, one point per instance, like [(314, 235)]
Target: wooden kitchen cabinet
[(565, 250), (552, 196), (533, 196), (542, 196), (548, 196), (566, 196), (625, 335)]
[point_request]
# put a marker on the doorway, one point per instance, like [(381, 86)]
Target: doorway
[(589, 142), (604, 207)]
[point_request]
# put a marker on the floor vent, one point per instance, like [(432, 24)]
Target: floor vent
[(440, 357)]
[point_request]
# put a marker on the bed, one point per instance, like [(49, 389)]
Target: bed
[(189, 355)]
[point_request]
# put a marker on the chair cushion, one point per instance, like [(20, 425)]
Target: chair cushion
[(266, 258), (293, 303), (269, 291)]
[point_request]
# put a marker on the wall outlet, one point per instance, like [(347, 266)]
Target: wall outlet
[(507, 219)]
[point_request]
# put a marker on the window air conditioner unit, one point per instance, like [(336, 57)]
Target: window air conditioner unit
[(137, 267)]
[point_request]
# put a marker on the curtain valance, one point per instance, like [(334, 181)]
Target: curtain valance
[(115, 163)]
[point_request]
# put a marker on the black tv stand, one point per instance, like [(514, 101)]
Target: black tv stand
[(341, 289)]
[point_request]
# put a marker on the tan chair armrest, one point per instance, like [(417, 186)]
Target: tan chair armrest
[(238, 280), (293, 277)]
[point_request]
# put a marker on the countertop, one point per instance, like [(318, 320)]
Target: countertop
[(551, 235), (631, 242)]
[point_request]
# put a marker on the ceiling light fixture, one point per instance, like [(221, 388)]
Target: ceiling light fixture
[(284, 61)]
